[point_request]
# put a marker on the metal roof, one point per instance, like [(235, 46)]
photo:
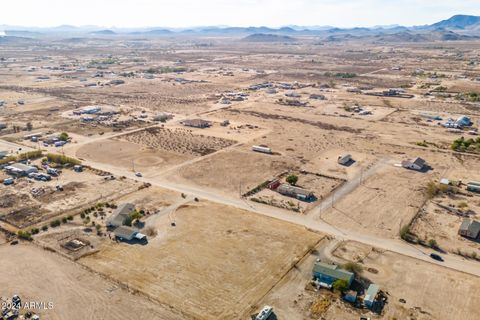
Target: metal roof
[(125, 232), (472, 226), (332, 270), (22, 167), (371, 292), (120, 214)]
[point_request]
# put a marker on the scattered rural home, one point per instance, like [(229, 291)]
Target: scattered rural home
[(3, 154), (87, 110), (344, 159), (120, 214), (33, 135), (126, 233), (469, 228), (295, 192), (262, 149), (163, 116), (196, 123), (371, 295), (20, 169), (3, 126), (326, 274), (417, 164)]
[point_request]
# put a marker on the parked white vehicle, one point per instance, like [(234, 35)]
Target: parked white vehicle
[(265, 313)]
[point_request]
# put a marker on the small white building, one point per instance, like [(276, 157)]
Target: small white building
[(262, 149)]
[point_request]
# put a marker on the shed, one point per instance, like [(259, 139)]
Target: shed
[(415, 164), (371, 295), (344, 159), (120, 214), (469, 228), (327, 274)]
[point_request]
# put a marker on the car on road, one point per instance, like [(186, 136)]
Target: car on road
[(138, 174), (435, 256)]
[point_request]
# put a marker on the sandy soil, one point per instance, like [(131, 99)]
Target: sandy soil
[(130, 155), (251, 169), (383, 204), (75, 292)]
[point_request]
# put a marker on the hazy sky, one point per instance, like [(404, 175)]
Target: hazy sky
[(185, 13)]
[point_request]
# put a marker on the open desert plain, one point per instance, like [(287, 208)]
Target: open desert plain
[(221, 173)]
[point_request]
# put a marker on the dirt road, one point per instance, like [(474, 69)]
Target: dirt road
[(397, 246)]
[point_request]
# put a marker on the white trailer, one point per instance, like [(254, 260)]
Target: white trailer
[(262, 149)]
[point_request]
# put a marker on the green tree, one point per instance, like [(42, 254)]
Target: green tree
[(353, 267), (340, 285), (135, 215), (432, 243), (292, 179), (63, 136)]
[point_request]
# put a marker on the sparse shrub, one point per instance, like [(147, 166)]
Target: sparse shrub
[(432, 243), (25, 235), (55, 223)]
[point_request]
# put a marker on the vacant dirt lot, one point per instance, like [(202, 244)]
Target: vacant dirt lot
[(215, 264), (382, 204), (181, 141), (232, 171), (75, 292), (130, 155)]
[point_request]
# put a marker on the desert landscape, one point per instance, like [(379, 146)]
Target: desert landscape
[(212, 173)]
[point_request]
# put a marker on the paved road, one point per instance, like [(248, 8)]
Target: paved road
[(394, 245)]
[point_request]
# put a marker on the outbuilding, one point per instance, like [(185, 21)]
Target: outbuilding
[(344, 159), (371, 295), (417, 164)]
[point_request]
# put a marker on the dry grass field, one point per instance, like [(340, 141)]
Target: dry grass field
[(216, 263), (76, 293)]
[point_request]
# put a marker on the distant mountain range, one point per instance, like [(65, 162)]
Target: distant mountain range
[(458, 27)]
